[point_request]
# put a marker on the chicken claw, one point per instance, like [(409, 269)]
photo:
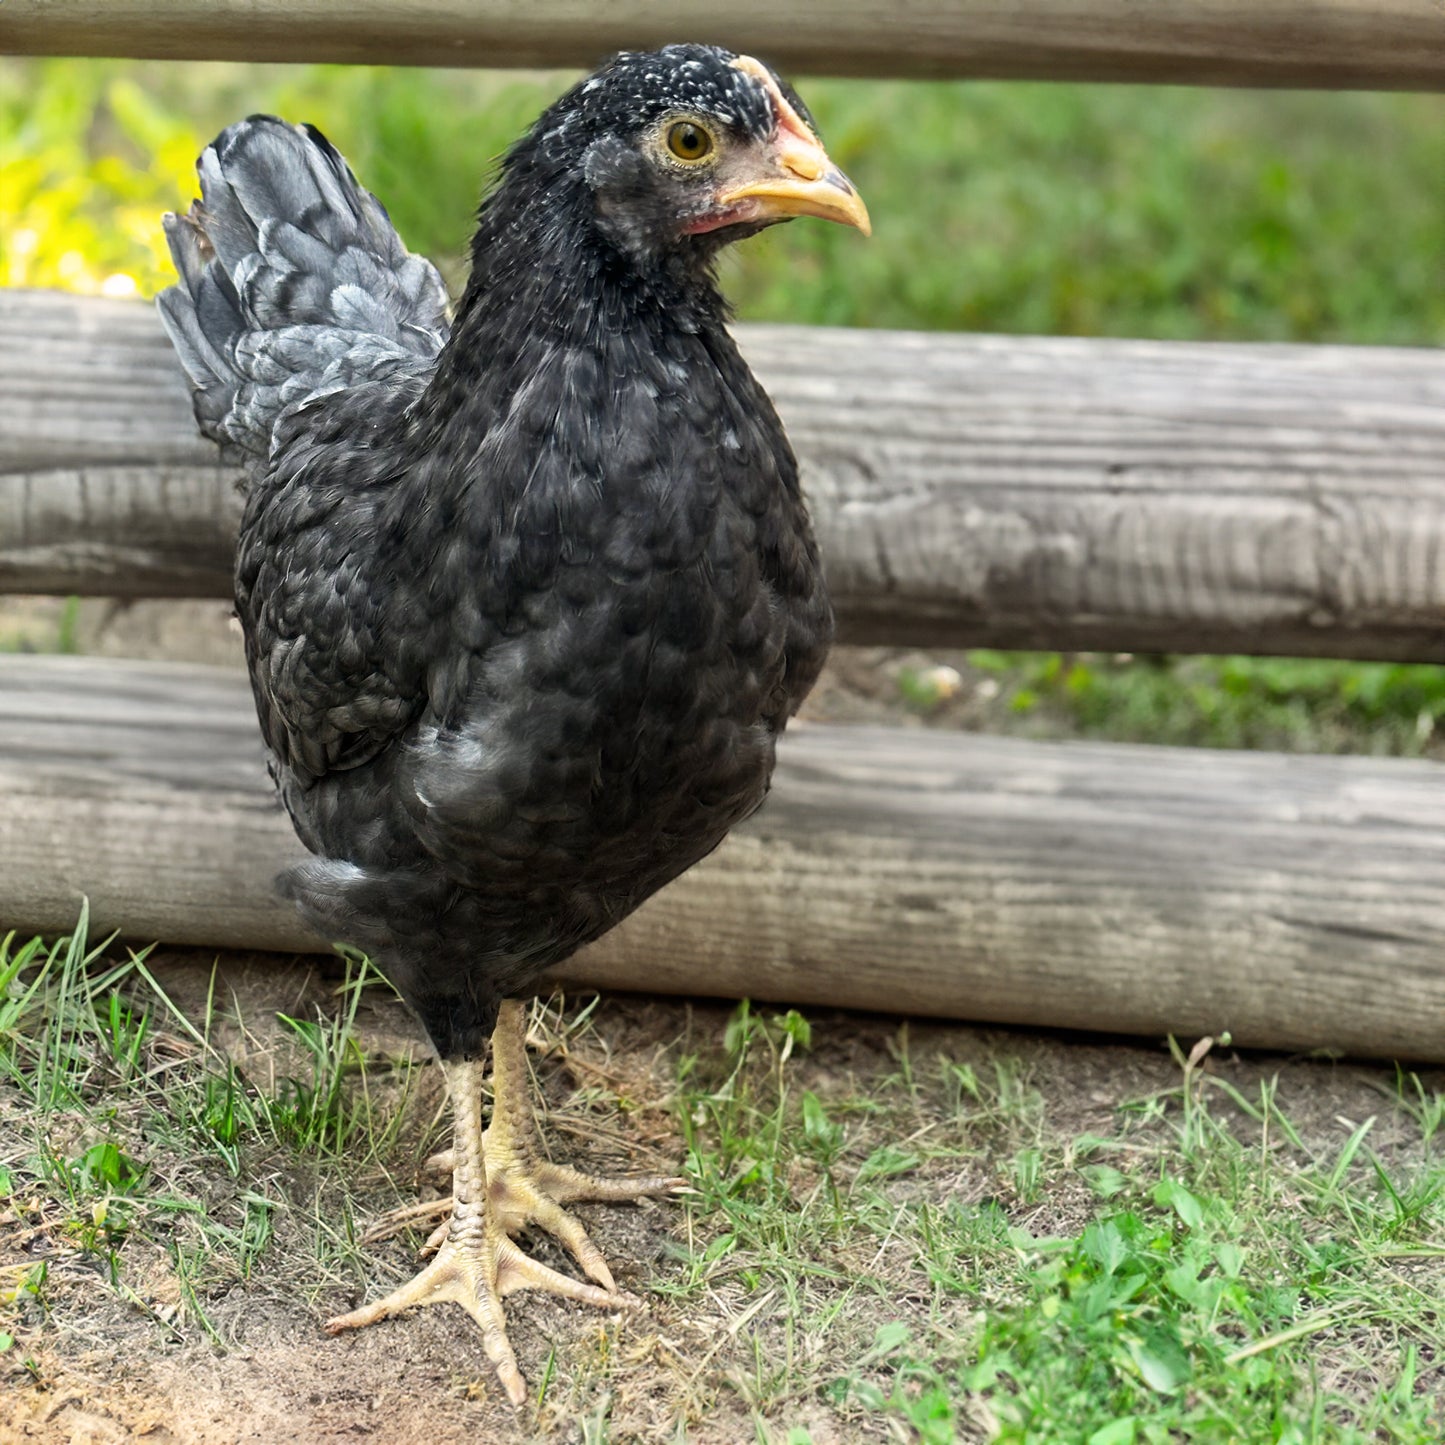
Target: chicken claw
[(501, 1186)]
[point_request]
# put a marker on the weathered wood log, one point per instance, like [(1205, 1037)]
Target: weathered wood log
[(968, 490), (1298, 902), (1356, 44)]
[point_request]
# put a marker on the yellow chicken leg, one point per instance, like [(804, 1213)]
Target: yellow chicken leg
[(500, 1185)]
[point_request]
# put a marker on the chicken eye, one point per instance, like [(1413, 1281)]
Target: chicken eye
[(688, 141)]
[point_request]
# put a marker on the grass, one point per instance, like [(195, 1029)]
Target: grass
[(897, 1234), (1201, 1273), (1287, 704), (119, 1117), (40, 624), (1076, 209)]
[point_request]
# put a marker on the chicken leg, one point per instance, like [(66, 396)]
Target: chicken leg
[(526, 1188), (500, 1184)]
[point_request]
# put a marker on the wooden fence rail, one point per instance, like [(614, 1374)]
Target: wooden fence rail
[(1296, 901), (1028, 492), (1353, 44), (968, 491)]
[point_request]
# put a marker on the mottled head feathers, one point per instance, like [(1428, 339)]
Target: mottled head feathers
[(650, 150)]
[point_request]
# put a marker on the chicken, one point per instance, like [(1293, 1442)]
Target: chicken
[(528, 596)]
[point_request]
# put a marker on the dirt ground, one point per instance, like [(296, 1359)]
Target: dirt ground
[(106, 1365)]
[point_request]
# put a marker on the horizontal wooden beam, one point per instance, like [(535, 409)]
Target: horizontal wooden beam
[(968, 490), (1298, 902), (1354, 44)]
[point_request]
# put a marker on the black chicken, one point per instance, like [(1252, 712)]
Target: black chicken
[(527, 599)]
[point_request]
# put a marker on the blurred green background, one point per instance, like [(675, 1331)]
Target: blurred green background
[(1086, 210)]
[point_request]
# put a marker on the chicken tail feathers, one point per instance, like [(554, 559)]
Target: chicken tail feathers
[(293, 283)]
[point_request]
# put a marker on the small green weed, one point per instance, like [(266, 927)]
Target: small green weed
[(321, 1114), (1214, 1265)]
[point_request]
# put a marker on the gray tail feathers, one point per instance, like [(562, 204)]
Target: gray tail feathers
[(293, 283)]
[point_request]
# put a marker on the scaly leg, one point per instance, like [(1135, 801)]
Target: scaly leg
[(524, 1188), (477, 1265)]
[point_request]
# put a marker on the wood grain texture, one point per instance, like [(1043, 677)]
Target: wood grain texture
[(968, 490), (1355, 44), (1298, 902)]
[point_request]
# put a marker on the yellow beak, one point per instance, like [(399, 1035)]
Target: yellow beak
[(803, 181), (829, 195)]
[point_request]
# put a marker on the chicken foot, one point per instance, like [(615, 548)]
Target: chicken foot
[(500, 1185), (477, 1265), (525, 1187)]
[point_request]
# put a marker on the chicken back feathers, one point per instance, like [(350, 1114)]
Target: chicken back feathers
[(526, 601)]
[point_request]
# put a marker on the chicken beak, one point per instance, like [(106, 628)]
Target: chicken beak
[(827, 193), (801, 180)]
